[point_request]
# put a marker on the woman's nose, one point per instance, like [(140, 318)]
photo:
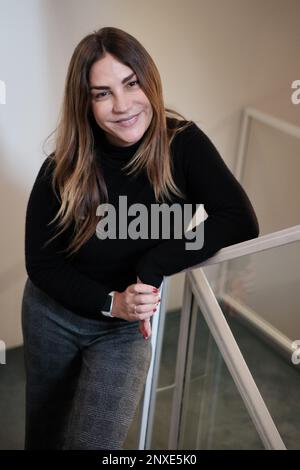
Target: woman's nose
[(121, 104)]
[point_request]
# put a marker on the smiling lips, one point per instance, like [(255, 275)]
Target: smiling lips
[(128, 122)]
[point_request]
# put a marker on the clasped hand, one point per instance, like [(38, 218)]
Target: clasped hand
[(138, 302)]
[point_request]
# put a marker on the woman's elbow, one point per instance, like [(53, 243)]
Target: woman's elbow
[(251, 227)]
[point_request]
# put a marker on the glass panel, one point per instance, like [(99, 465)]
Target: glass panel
[(259, 295), (214, 415)]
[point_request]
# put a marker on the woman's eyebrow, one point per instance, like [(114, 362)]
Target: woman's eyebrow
[(107, 87)]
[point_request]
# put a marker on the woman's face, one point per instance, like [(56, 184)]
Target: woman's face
[(116, 95)]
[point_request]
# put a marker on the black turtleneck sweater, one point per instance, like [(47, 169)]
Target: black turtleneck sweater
[(100, 266)]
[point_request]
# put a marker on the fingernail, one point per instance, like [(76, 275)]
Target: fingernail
[(154, 310), (154, 290)]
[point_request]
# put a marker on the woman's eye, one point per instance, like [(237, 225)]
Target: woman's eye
[(101, 95), (104, 93), (134, 82)]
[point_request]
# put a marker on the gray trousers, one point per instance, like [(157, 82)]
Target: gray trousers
[(84, 378)]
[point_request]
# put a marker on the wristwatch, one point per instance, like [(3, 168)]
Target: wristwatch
[(107, 308)]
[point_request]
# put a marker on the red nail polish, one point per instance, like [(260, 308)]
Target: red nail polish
[(154, 310), (154, 290)]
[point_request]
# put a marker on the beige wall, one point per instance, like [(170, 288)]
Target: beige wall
[(215, 57), (271, 176)]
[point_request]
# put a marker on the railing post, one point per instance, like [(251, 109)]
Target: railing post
[(149, 399)]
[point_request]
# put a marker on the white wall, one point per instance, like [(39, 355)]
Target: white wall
[(215, 57)]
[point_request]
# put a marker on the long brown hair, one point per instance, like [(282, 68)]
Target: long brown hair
[(76, 174)]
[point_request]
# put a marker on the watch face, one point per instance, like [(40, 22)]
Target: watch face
[(107, 304)]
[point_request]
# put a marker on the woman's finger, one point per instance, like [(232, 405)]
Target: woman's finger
[(145, 328)]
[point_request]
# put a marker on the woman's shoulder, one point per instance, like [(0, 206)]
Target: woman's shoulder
[(44, 178), (176, 124), (192, 147), (184, 131), (47, 167), (188, 125)]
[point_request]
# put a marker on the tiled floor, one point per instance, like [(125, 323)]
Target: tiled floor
[(12, 413)]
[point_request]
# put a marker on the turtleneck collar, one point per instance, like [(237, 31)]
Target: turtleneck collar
[(115, 153)]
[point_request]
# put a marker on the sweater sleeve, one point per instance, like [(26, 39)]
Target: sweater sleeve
[(231, 217), (46, 267)]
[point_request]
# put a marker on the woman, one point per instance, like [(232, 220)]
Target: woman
[(90, 295)]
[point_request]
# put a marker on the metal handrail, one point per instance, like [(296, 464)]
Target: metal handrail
[(255, 245)]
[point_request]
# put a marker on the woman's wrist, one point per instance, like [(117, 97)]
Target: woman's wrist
[(114, 303)]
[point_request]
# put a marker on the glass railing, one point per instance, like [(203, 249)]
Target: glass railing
[(213, 413), (225, 373), (259, 296)]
